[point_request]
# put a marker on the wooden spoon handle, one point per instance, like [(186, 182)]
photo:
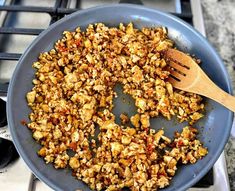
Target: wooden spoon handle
[(228, 101), (217, 94), (225, 99)]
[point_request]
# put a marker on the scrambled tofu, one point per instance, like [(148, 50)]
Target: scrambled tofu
[(73, 96)]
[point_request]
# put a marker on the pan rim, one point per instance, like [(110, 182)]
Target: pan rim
[(10, 95)]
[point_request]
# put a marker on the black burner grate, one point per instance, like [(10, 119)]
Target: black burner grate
[(58, 11)]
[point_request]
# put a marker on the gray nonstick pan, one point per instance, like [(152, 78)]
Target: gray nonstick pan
[(214, 128)]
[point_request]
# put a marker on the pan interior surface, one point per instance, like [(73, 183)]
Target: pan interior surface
[(214, 128)]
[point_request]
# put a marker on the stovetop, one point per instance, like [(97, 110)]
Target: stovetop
[(21, 21)]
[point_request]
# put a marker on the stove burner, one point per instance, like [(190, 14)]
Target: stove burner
[(3, 117), (8, 152), (206, 181)]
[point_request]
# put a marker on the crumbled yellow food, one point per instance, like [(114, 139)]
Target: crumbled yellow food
[(73, 94)]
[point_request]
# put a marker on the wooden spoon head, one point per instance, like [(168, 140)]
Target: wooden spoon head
[(184, 71)]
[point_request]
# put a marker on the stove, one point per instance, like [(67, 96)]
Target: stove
[(20, 23)]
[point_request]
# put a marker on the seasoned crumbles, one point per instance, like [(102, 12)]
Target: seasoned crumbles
[(73, 95)]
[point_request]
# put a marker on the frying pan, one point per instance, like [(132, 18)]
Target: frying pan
[(214, 128)]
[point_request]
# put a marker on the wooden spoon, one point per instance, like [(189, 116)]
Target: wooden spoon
[(188, 76)]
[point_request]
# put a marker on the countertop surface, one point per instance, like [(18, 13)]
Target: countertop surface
[(219, 18)]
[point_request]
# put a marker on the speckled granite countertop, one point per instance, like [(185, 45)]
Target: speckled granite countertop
[(219, 18)]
